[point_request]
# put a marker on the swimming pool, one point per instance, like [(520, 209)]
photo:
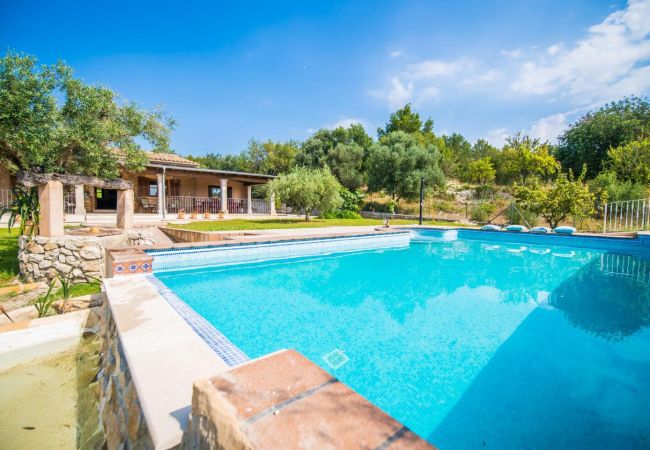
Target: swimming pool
[(471, 339)]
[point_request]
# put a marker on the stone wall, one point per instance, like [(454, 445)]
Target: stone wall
[(43, 258), (119, 409)]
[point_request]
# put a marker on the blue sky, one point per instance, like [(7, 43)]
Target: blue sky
[(280, 70)]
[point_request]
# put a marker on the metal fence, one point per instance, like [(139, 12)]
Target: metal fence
[(213, 205), (626, 215), (6, 197), (260, 206)]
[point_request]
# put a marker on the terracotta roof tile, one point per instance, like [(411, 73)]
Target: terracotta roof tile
[(170, 158)]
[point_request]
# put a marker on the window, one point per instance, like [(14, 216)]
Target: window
[(147, 187), (214, 191)]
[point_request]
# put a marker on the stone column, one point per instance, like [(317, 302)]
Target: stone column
[(224, 195), (160, 190), (79, 200), (50, 198), (125, 209), (249, 199), (272, 204)]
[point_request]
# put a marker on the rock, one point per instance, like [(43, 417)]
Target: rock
[(50, 245), (45, 264), (36, 248), (70, 259), (70, 245), (65, 251), (35, 257), (90, 252), (90, 266), (62, 258), (62, 268)]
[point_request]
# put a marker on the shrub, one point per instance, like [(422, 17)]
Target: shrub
[(352, 200), (341, 214), (481, 212), (485, 191), (617, 190)]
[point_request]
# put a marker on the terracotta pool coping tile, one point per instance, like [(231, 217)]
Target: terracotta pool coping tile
[(263, 383), (333, 417), (285, 401)]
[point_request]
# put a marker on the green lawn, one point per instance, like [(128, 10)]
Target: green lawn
[(243, 224), (8, 255)]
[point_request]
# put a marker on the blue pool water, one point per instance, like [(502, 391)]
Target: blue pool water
[(470, 340)]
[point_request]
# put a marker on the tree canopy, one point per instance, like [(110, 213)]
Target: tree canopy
[(343, 150), (397, 162), (406, 120), (307, 190), (566, 196), (589, 139), (631, 161), (51, 121), (524, 157)]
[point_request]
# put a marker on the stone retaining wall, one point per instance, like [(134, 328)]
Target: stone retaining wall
[(119, 410), (44, 258)]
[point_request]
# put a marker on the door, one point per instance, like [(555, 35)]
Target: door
[(105, 198)]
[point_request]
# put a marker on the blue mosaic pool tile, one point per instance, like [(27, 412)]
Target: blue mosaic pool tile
[(219, 343), (200, 257)]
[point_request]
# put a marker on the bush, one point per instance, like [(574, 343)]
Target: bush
[(481, 212), (485, 191), (617, 190), (352, 200), (341, 214), (388, 207)]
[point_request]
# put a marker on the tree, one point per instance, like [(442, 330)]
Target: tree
[(280, 156), (343, 150), (268, 157), (567, 196), (456, 155), (346, 162), (307, 190), (631, 162), (405, 120), (53, 122), (481, 171), (397, 163), (523, 157), (588, 140)]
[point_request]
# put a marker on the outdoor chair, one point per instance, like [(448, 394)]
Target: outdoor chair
[(148, 206)]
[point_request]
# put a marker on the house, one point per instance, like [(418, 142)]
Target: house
[(187, 187)]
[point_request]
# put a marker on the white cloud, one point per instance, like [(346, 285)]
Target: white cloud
[(514, 54), (433, 68), (397, 95), (489, 76), (346, 122), (395, 53), (498, 137), (611, 61), (549, 128)]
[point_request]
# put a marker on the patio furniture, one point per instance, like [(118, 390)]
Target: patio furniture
[(148, 206)]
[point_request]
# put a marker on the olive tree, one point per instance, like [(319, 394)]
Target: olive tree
[(307, 190), (51, 121), (398, 162)]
